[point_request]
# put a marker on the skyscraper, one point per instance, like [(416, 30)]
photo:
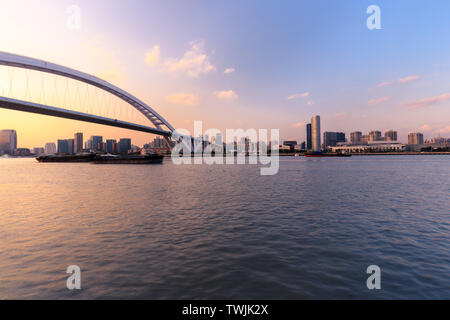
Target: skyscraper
[(111, 146), (315, 133), (71, 146), (330, 139), (63, 146), (355, 137), (8, 141), (374, 135), (124, 145), (415, 138), (390, 135), (50, 148), (308, 137), (78, 146), (95, 142)]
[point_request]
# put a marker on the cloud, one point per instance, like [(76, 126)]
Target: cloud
[(152, 56), (385, 83), (377, 101), (107, 66), (194, 62), (422, 103), (298, 95), (225, 95), (229, 70), (408, 79), (425, 127), (298, 125), (310, 102), (435, 129), (399, 81), (188, 99)]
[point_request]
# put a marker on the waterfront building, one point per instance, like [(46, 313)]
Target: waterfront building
[(355, 137), (63, 146), (415, 138), (291, 144), (50, 148), (308, 137), (96, 140), (39, 151), (374, 135), (365, 139), (71, 145), (390, 135), (111, 146), (22, 152), (8, 141), (315, 133), (303, 146), (78, 144), (372, 146), (330, 139), (124, 145)]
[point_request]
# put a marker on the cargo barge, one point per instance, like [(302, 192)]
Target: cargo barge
[(128, 159), (82, 157)]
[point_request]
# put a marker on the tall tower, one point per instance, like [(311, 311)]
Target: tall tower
[(315, 133), (78, 142), (308, 137)]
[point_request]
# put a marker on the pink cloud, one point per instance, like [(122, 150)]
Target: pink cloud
[(374, 102), (399, 81), (422, 103), (385, 83), (409, 79)]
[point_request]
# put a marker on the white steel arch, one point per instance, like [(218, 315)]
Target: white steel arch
[(13, 60)]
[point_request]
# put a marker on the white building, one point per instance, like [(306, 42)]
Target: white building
[(372, 146), (50, 148)]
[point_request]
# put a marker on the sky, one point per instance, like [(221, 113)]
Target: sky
[(244, 64)]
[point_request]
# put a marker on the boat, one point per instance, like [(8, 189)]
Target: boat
[(327, 154), (128, 159), (81, 157)]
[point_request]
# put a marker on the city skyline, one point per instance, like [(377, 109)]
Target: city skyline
[(238, 88)]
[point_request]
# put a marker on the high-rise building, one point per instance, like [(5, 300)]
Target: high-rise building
[(340, 137), (308, 137), (374, 135), (8, 141), (50, 148), (315, 133), (124, 145), (330, 139), (415, 138), (78, 146), (390, 135), (71, 145), (96, 140), (63, 146), (355, 137), (303, 145), (111, 146)]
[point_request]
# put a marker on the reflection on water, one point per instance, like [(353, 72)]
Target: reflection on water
[(199, 231)]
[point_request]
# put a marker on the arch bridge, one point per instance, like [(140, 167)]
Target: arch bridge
[(157, 124)]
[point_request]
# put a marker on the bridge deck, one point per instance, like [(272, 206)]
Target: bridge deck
[(13, 104)]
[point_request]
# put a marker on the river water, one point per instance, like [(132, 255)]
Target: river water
[(225, 231)]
